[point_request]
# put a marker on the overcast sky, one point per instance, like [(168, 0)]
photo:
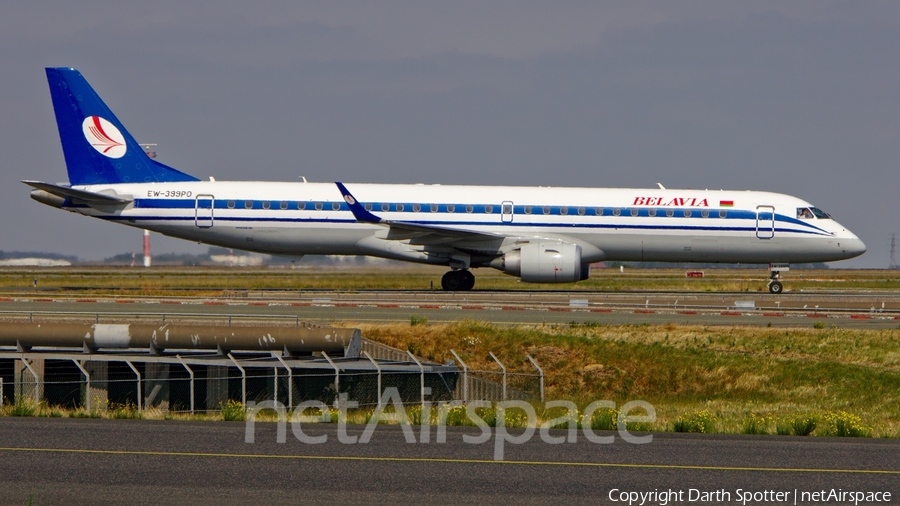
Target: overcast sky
[(796, 97)]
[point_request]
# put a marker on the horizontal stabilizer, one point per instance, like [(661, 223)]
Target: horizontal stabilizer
[(80, 195)]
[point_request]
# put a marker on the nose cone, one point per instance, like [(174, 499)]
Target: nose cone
[(853, 247)]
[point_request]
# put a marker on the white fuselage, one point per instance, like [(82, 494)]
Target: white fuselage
[(608, 223)]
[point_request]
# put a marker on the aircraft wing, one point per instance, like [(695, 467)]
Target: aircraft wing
[(400, 230), (82, 195)]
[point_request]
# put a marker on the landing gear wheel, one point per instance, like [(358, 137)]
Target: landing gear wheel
[(458, 281), (775, 287), (468, 280)]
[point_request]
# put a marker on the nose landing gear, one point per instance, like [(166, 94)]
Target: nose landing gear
[(458, 281), (774, 285)]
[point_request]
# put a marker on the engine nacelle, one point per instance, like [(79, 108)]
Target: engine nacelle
[(546, 262)]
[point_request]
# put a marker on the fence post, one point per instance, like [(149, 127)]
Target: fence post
[(1, 392), (337, 377), (290, 382), (191, 373), (421, 379), (504, 371), (243, 380), (465, 377), (37, 387), (536, 366), (377, 368), (139, 394), (87, 388)]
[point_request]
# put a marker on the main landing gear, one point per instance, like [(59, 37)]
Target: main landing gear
[(458, 281), (775, 285)]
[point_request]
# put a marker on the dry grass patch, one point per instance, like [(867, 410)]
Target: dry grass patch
[(733, 373)]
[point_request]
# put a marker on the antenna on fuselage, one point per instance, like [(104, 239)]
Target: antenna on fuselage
[(661, 187)]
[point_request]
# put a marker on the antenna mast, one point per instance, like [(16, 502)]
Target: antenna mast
[(893, 251)]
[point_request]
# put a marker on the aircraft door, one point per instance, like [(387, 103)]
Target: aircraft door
[(506, 211), (203, 211), (765, 222)]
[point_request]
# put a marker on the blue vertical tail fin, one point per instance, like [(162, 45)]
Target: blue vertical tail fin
[(96, 146)]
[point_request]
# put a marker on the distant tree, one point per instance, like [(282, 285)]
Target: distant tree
[(9, 255)]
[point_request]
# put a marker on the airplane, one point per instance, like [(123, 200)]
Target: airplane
[(538, 234)]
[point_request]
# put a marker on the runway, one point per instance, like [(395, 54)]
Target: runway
[(84, 461), (848, 310)]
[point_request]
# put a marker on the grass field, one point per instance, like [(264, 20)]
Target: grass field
[(741, 379), (218, 281)]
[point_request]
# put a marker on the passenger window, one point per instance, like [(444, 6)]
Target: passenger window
[(651, 212), (248, 204), (469, 209), (385, 207), (336, 206), (488, 209), (399, 207), (723, 213), (687, 213), (581, 211), (451, 208), (617, 212), (267, 205), (301, 205), (318, 206), (527, 209), (434, 208), (368, 206), (416, 208), (283, 204), (705, 213), (670, 212), (230, 204), (634, 212), (546, 210), (563, 211), (599, 211)]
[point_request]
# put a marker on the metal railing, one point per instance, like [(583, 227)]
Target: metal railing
[(195, 382)]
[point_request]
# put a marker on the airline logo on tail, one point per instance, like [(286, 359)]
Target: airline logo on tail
[(104, 137)]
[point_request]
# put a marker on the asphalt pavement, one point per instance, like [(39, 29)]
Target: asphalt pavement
[(95, 461), (328, 310)]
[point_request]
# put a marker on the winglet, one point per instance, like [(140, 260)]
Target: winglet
[(359, 212)]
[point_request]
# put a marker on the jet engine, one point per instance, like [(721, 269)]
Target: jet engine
[(545, 262)]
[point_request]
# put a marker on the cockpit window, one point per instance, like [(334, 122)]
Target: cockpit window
[(808, 213)]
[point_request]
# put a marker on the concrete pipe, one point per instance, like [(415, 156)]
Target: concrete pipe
[(293, 340)]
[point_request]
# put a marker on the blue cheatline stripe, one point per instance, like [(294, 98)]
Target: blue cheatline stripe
[(519, 210), (604, 226)]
